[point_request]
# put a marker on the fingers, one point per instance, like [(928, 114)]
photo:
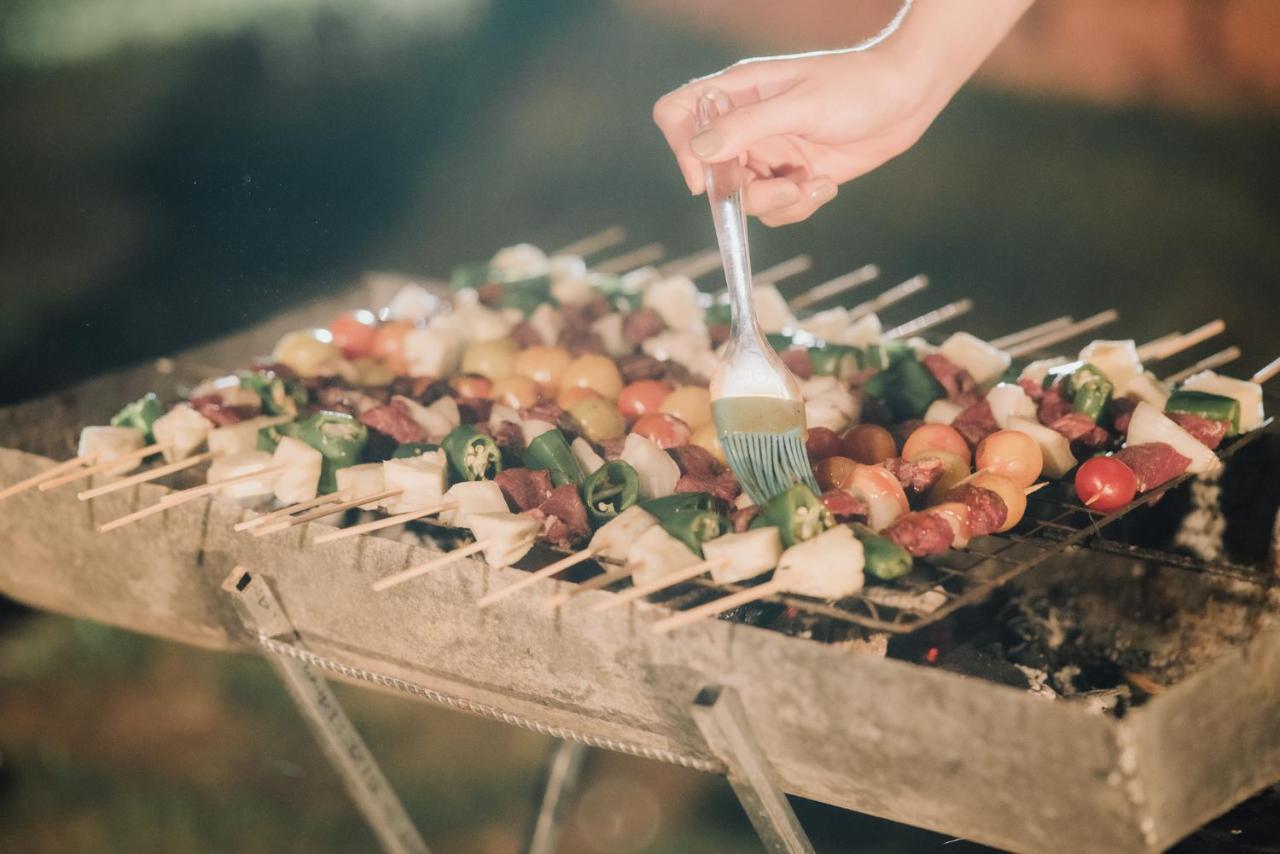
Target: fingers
[(811, 196), (732, 135), (674, 116)]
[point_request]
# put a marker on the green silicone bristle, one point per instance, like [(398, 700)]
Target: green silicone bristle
[(768, 463)]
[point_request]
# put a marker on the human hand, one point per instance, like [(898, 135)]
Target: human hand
[(802, 125)]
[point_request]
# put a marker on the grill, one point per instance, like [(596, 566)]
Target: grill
[(880, 735)]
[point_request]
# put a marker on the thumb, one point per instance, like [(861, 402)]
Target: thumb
[(730, 135)]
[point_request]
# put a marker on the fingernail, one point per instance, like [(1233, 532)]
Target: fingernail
[(785, 196), (707, 143), (823, 193)]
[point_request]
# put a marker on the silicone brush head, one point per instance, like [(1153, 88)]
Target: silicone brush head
[(763, 441)]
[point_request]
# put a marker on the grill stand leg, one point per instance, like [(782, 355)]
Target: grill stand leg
[(563, 774), (347, 752), (719, 714)]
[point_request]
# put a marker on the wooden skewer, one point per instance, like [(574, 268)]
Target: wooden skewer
[(785, 270), (267, 518), (719, 606), (669, 580), (1035, 487), (895, 294), (534, 577), (1267, 372), (177, 499), (692, 266), (834, 287), (379, 524), (648, 254), (1185, 342), (294, 521), (422, 569), (144, 477), (593, 243), (49, 473), (930, 319), (1031, 332), (594, 583), (1208, 363), (137, 454), (1066, 333), (1154, 345)]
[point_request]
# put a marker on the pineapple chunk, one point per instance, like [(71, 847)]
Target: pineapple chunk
[(183, 429), (301, 478), (615, 537), (743, 555), (423, 480), (508, 536), (472, 496), (656, 553)]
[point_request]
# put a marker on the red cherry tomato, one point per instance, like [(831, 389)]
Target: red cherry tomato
[(354, 332), (642, 397), (666, 431), (1105, 484), (822, 442)]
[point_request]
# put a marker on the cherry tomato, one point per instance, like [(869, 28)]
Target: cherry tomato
[(1012, 454), (1015, 499), (707, 438), (1105, 484), (835, 472), (939, 437), (869, 444), (954, 470), (599, 419), (666, 431), (516, 392), (642, 397), (570, 396), (691, 404), (543, 365), (596, 372), (822, 442), (471, 386), (388, 345), (493, 359), (354, 332)]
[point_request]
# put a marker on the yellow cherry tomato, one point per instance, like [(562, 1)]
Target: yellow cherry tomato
[(690, 404), (493, 359), (569, 396), (598, 373), (516, 392), (309, 352), (708, 439), (599, 419), (544, 365)]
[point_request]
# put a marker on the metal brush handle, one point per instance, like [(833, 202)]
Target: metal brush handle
[(750, 367)]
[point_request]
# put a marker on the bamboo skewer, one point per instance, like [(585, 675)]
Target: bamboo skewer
[(669, 580), (1165, 349), (1208, 363), (536, 576), (1066, 333), (275, 515), (379, 524), (146, 476), (1155, 344), (1266, 372), (48, 474), (594, 583), (719, 606), (834, 287), (177, 499), (784, 270), (422, 569), (692, 266), (1031, 332), (1035, 487), (294, 521), (895, 294), (593, 243), (930, 319), (138, 454), (648, 254)]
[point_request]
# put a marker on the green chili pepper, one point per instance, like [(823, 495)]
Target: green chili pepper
[(609, 490), (906, 387), (413, 449), (780, 341), (1061, 374), (472, 455), (338, 437), (694, 527), (526, 295), (550, 452), (887, 355), (1091, 398), (280, 396), (269, 437), (1215, 407), (471, 275), (718, 314), (835, 360), (1010, 375), (797, 513), (885, 559), (668, 504), (1086, 386), (140, 414)]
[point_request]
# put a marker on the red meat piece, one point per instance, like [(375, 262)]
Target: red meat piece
[(1153, 463), (694, 459), (1034, 390), (213, 407), (920, 534), (564, 517), (1054, 405), (916, 476), (723, 486), (639, 366), (843, 506), (798, 362), (641, 325), (987, 510), (958, 383), (1086, 437), (1121, 411), (976, 423), (524, 488), (393, 419), (741, 518), (1210, 433)]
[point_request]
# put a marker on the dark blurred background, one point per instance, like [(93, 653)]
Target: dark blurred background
[(171, 171)]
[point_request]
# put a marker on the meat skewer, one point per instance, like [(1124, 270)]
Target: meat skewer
[(783, 270), (593, 243), (834, 287), (388, 522), (671, 579), (1066, 333), (719, 606), (532, 578), (176, 499), (46, 475), (1031, 332), (292, 522), (503, 537), (647, 254)]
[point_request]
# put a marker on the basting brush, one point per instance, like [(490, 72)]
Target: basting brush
[(756, 402)]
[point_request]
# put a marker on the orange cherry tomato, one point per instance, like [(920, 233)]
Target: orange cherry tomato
[(354, 333), (835, 473), (937, 437), (642, 397), (543, 365), (569, 396), (869, 444), (472, 386), (596, 372), (516, 392), (821, 442), (666, 431), (1011, 454), (388, 345)]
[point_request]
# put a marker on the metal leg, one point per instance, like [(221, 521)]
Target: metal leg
[(720, 716), (345, 749), (563, 774)]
